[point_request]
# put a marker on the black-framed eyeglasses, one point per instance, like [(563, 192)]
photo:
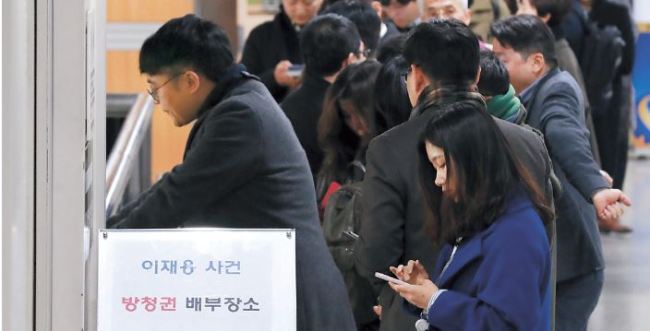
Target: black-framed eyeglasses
[(154, 92), (366, 52)]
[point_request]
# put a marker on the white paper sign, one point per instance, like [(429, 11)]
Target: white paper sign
[(197, 279)]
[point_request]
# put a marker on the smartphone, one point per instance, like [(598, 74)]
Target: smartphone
[(295, 70), (390, 279)]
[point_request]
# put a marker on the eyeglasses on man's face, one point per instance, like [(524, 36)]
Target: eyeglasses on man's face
[(153, 92), (364, 52)]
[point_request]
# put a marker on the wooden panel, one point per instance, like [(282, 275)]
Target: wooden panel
[(123, 76), (147, 10), (223, 13), (123, 72), (167, 141)]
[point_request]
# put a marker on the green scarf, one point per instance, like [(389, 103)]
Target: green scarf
[(506, 106)]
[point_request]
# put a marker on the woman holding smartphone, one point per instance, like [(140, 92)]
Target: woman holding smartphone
[(494, 267)]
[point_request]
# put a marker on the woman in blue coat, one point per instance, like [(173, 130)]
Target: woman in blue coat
[(493, 271)]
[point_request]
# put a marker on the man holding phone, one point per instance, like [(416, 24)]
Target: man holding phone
[(273, 48), (329, 43)]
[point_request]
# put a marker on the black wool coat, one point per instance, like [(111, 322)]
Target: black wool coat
[(267, 45), (244, 168)]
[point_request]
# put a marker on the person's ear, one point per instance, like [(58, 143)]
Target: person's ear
[(546, 18), (420, 80), (376, 6), (478, 76), (468, 17), (352, 58), (192, 81), (537, 62)]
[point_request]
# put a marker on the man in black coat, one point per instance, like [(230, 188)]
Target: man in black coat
[(329, 43), (243, 166), (444, 63), (554, 103), (273, 47), (613, 124)]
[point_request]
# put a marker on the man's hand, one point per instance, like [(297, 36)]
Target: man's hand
[(377, 309), (609, 204), (280, 75)]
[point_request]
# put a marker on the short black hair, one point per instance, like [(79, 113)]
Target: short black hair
[(558, 9), (494, 79), (363, 16), (386, 3), (446, 50), (391, 47), (188, 41), (326, 42), (526, 34)]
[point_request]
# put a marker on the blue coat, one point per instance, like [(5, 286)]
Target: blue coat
[(499, 278)]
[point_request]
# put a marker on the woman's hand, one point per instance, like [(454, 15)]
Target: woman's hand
[(413, 272), (417, 294)]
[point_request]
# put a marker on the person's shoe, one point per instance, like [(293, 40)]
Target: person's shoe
[(606, 228)]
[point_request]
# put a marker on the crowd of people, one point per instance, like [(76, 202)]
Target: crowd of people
[(452, 144)]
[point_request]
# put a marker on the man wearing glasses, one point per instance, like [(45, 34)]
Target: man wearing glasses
[(243, 166)]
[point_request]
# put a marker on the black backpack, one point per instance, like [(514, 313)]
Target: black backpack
[(601, 57), (341, 224)]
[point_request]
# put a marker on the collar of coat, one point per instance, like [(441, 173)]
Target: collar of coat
[(230, 78), (435, 97), (528, 95)]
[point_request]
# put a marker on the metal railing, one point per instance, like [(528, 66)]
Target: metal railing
[(124, 154), (118, 105)]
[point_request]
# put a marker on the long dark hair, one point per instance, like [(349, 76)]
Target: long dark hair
[(392, 103), (481, 170), (340, 144)]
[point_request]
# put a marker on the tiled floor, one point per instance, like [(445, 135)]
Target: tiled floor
[(625, 301)]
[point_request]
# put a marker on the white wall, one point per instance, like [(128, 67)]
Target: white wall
[(17, 163), (642, 11)]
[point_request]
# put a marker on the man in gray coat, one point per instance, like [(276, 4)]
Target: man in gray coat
[(243, 166), (554, 103)]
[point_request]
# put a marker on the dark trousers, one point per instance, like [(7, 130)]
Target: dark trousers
[(612, 131), (575, 301)]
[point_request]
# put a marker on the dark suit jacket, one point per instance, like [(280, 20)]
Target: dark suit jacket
[(498, 279), (244, 168), (391, 30), (303, 108), (392, 227), (555, 106), (268, 44)]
